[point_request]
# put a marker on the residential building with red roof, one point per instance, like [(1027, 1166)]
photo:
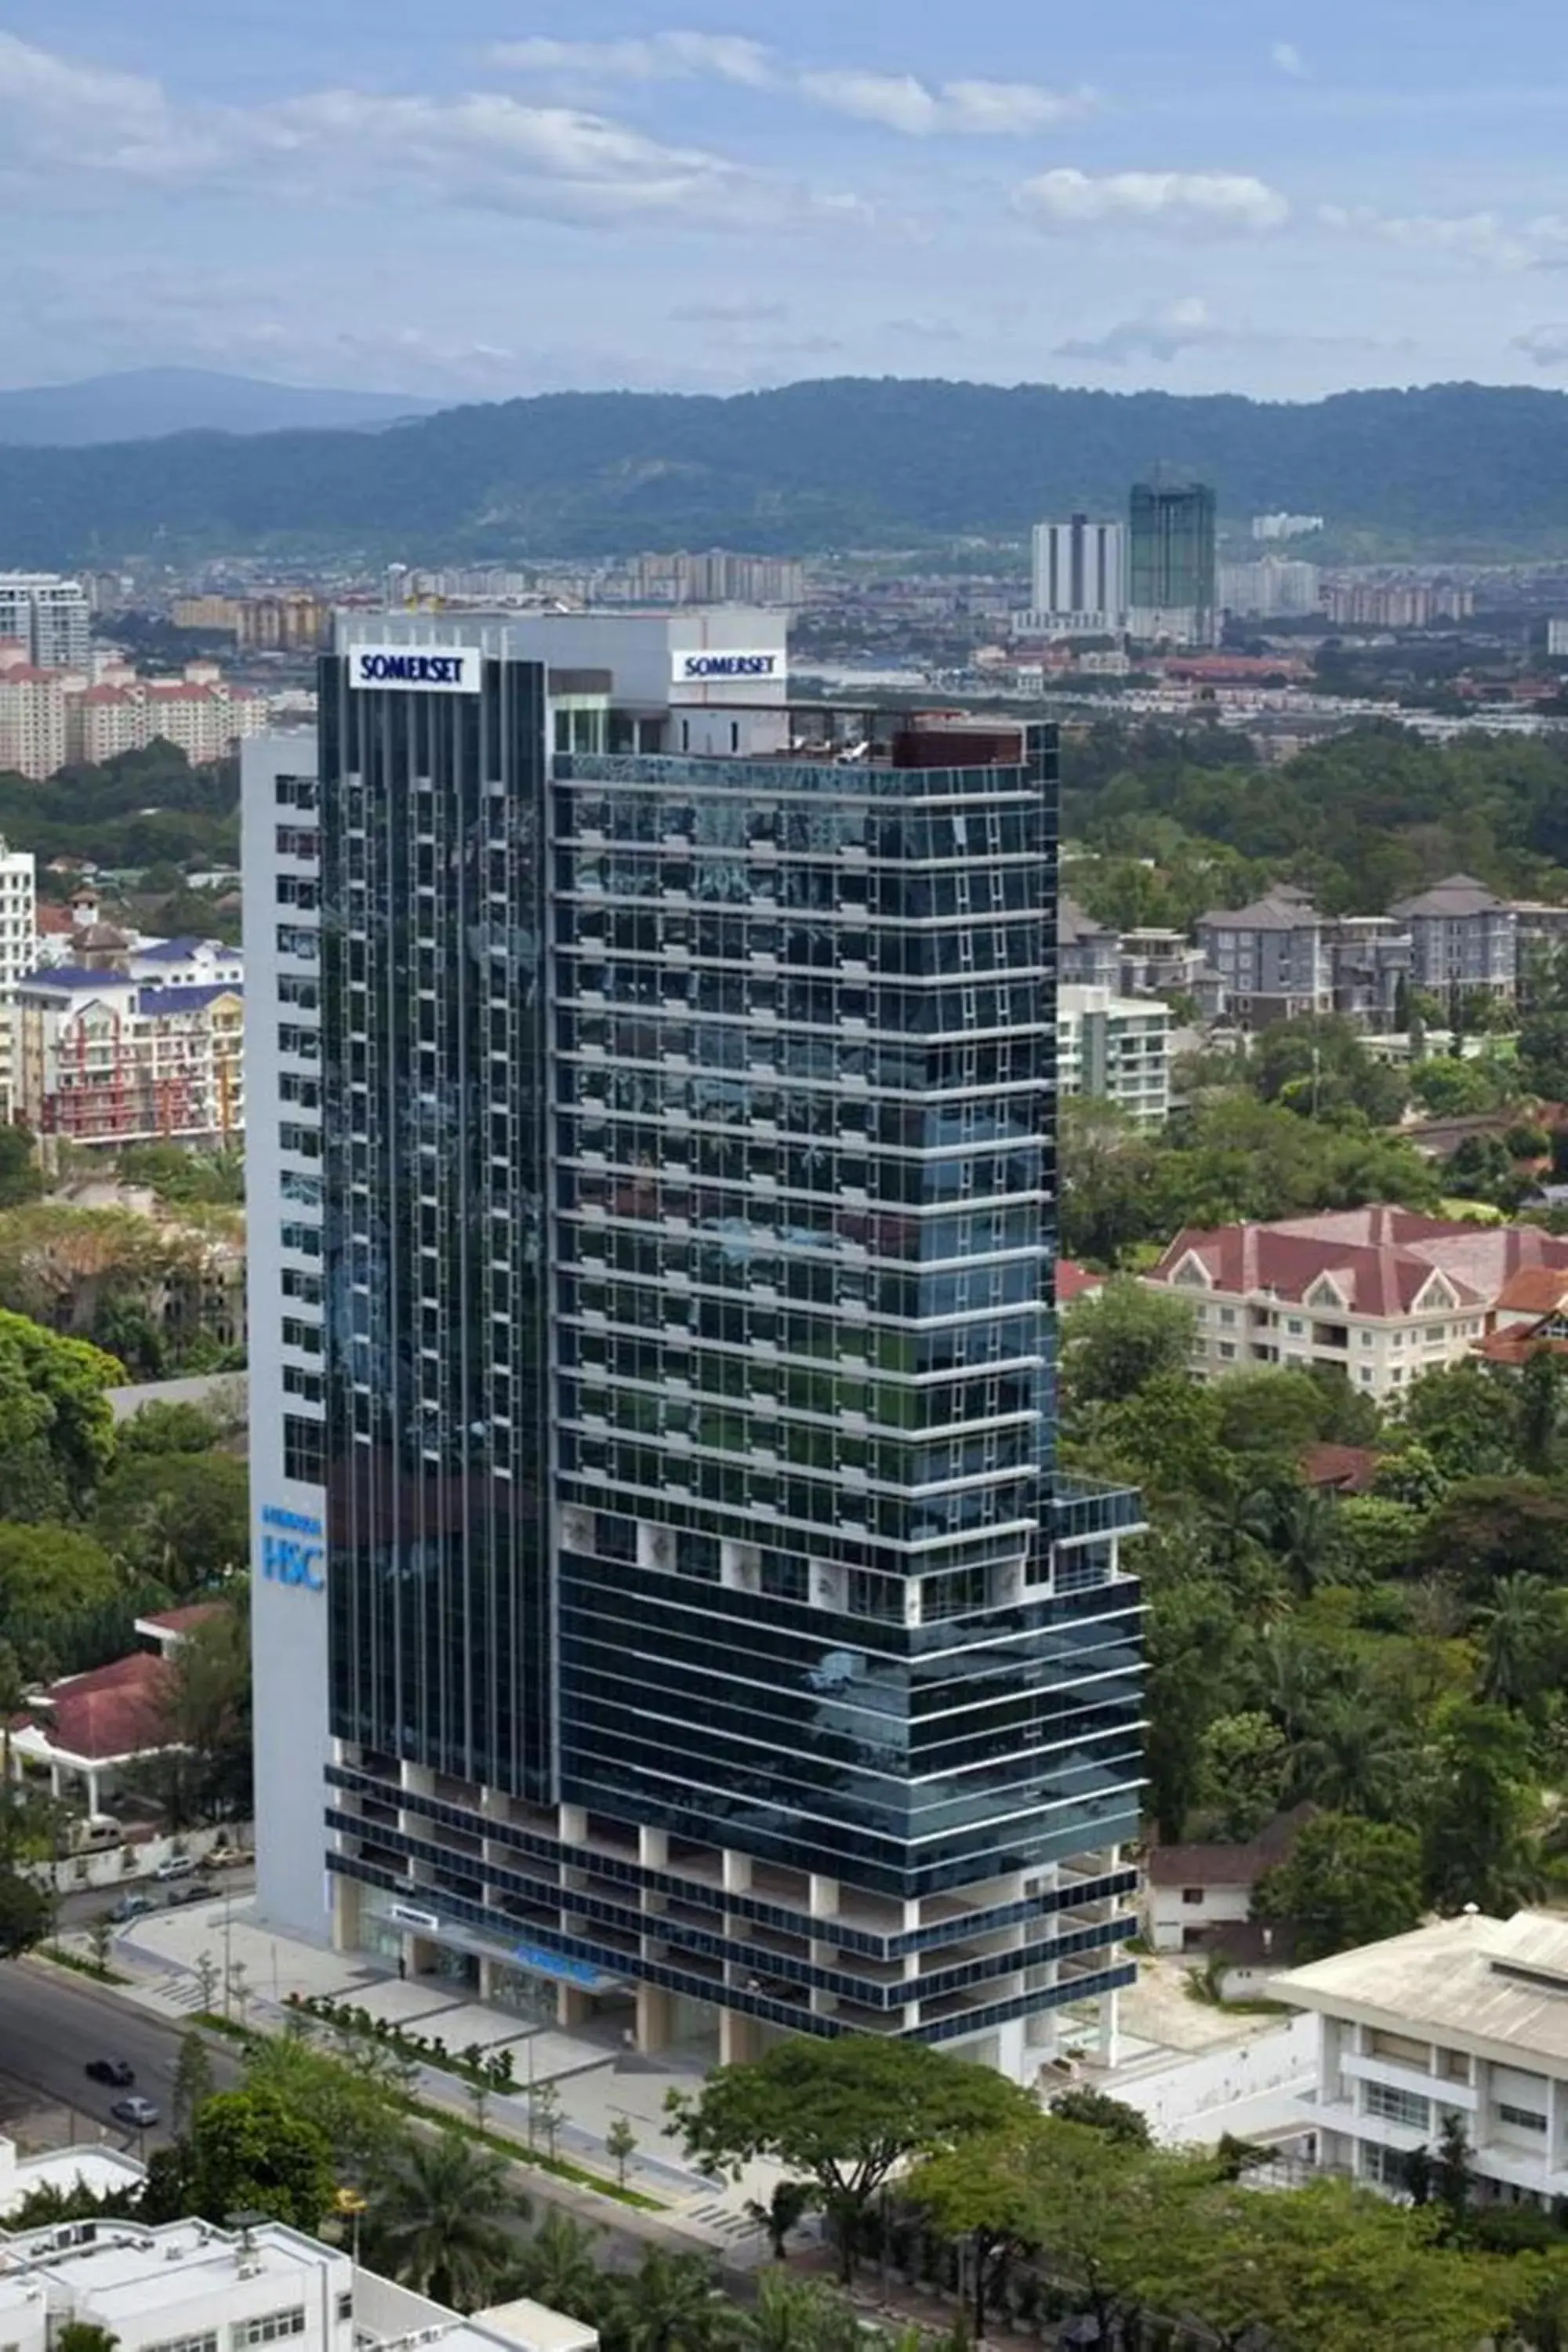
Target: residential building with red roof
[(1380, 1293)]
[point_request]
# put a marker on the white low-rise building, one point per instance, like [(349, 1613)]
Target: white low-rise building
[(188, 2286), (1467, 2018), (1116, 1048)]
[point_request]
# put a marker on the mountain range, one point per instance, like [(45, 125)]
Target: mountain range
[(144, 404), (890, 463)]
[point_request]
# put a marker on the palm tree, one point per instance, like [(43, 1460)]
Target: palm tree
[(1295, 1678), (799, 2314), (671, 2304), (558, 2267), (1305, 1540), (1352, 1759), (439, 2219), (1520, 1640)]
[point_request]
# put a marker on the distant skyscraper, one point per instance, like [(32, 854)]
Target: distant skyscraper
[(1079, 578), (1172, 585), (667, 1611), (50, 616)]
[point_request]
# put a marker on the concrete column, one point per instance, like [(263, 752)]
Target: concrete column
[(824, 1897), (345, 1914), (1110, 2021), (572, 1827), (653, 1848), (656, 2019), (737, 1872), (92, 1788), (574, 2006), (740, 2039)]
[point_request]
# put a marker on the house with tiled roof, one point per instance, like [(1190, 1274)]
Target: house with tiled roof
[(1380, 1293), (1462, 936), (1270, 956)]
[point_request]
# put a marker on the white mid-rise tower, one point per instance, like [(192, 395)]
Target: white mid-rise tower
[(1079, 580)]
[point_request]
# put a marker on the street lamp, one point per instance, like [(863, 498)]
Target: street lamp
[(350, 2203)]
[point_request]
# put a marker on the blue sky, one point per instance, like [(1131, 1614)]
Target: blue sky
[(472, 200)]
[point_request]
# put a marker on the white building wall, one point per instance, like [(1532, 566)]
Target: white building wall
[(289, 1619)]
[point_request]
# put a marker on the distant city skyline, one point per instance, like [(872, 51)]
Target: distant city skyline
[(602, 198)]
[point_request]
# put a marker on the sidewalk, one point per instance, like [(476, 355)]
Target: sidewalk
[(178, 1960)]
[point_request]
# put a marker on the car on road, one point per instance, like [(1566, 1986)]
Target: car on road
[(130, 1907), (178, 1865), (140, 2112), (193, 1890), (113, 2071)]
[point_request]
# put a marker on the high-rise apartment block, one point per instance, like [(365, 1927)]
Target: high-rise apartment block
[(1078, 580), (19, 954), (1271, 589), (667, 1610), (1171, 588), (48, 617)]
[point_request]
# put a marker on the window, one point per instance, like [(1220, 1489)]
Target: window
[(301, 1383), (1401, 2048), (296, 791), (299, 1334), (302, 1442), (1398, 2106), (1191, 1894), (306, 1092), (270, 2328), (306, 1287), (297, 890), (1521, 2119), (305, 993), (305, 1140), (207, 2343), (294, 940)]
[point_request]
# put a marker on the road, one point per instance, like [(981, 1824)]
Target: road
[(50, 2025), (79, 1911)]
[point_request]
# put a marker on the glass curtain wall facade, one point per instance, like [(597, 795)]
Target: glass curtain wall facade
[(1172, 563), (711, 1636)]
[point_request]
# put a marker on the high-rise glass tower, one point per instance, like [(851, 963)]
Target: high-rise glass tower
[(1171, 577), (686, 1631)]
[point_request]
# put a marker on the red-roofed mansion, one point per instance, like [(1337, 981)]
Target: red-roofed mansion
[(1382, 1294)]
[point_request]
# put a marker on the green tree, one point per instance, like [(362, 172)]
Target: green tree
[(1479, 1815), (1084, 2104), (670, 2303), (544, 2113), (1464, 1416), (559, 2267), (1241, 1773), (247, 2152), (1115, 1340), (1353, 1758), (1346, 1882), (438, 2220), (161, 1428), (1523, 1628), (1304, 1538), (84, 2335), (193, 2081), (1540, 1417), (57, 1431), (621, 2146), (800, 2314), (350, 2099), (21, 1178), (1487, 1529), (183, 1520), (1193, 1635), (788, 2203), (208, 1709), (27, 1914), (60, 1595), (846, 2113)]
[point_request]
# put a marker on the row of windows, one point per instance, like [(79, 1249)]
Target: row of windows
[(271, 2327)]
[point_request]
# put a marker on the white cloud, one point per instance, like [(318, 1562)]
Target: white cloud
[(661, 56), (1472, 237), (484, 149), (1067, 199), (1162, 335), (1544, 347), (899, 102), (1288, 58)]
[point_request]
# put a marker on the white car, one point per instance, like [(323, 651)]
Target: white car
[(178, 1865)]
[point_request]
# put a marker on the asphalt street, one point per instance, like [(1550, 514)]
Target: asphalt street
[(51, 2025), (79, 1911)]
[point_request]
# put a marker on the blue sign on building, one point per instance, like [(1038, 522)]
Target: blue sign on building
[(556, 1964), (289, 1554)]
